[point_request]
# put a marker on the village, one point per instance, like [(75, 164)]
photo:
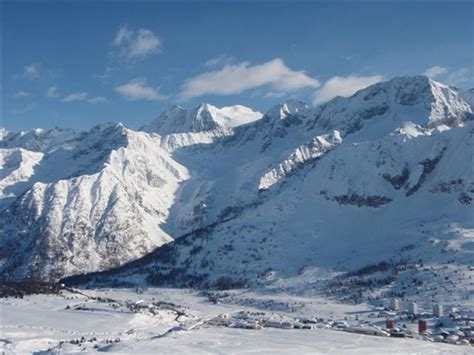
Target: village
[(398, 319), (436, 326), (115, 320)]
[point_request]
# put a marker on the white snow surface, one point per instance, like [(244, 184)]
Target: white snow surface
[(54, 323)]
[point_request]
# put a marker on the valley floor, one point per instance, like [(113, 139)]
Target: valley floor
[(186, 321)]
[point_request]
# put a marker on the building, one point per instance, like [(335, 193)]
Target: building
[(438, 310), (413, 308), (421, 326), (395, 304)]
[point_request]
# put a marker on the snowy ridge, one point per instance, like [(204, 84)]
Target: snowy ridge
[(384, 107), (175, 141), (315, 149), (38, 140)]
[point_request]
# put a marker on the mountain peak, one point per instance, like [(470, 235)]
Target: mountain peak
[(3, 132), (287, 108), (204, 117), (386, 106)]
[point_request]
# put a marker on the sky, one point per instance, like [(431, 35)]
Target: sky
[(78, 64)]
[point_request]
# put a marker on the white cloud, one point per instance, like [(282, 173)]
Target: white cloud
[(435, 71), (344, 86), (22, 93), (31, 71), (447, 75), (77, 96), (273, 95), (52, 91), (217, 61), (84, 96), (105, 75), (236, 78), (457, 77), (97, 100), (136, 44), (138, 90)]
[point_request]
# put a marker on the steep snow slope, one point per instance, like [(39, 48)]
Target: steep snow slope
[(16, 167), (176, 141), (315, 149), (101, 205)]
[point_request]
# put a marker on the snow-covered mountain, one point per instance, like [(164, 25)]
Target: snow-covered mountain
[(287, 108), (384, 175), (3, 132), (89, 206), (230, 172), (408, 204), (37, 140), (204, 117), (16, 168), (204, 124)]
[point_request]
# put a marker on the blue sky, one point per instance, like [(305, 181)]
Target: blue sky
[(83, 63)]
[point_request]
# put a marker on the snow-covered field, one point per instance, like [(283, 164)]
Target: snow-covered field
[(180, 321)]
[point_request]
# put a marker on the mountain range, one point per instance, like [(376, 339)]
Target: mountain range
[(209, 196)]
